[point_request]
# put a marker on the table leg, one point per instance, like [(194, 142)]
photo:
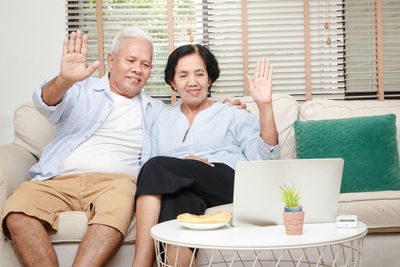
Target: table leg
[(346, 254)]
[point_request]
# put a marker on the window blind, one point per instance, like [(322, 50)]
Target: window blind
[(276, 31), (327, 48), (224, 26), (149, 15), (82, 15), (391, 46), (360, 47), (342, 40)]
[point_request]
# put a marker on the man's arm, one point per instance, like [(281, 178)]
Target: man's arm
[(73, 68)]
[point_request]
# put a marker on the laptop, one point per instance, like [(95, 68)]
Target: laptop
[(257, 198)]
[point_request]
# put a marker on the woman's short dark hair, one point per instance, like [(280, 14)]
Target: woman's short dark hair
[(209, 60)]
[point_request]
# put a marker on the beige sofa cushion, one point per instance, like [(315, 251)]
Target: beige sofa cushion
[(72, 227), (380, 211), (31, 130)]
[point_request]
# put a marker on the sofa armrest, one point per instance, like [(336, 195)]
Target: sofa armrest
[(14, 168)]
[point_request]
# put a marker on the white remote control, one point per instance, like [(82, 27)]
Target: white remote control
[(347, 221)]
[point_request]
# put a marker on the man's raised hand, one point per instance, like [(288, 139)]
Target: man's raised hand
[(74, 55), (73, 68)]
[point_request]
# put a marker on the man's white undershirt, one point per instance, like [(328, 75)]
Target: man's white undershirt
[(115, 146)]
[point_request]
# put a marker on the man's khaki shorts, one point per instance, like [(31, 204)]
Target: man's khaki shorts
[(107, 198)]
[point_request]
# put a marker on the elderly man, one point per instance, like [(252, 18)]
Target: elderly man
[(101, 141)]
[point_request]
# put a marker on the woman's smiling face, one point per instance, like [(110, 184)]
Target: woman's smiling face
[(191, 80)]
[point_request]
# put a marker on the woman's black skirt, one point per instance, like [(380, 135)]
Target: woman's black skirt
[(186, 185)]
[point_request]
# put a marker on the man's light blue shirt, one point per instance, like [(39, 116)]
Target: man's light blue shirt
[(80, 113)]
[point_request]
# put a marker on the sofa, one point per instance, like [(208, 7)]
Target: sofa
[(379, 210)]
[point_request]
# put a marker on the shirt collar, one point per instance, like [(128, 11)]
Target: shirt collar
[(144, 99), (103, 84)]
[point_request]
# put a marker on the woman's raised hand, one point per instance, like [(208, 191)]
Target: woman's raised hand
[(261, 84), (74, 55)]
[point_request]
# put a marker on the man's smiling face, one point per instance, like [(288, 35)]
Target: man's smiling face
[(130, 67)]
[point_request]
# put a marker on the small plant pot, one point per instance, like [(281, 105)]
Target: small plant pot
[(294, 222), (295, 209)]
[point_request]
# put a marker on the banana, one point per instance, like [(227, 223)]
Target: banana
[(218, 217)]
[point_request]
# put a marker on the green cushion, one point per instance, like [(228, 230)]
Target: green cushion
[(368, 146)]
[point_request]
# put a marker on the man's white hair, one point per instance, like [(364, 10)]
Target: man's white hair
[(130, 33)]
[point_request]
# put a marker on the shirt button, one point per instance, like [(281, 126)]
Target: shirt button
[(272, 150)]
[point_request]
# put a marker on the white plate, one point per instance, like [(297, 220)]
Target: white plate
[(203, 226)]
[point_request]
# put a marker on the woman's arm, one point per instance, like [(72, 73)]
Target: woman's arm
[(246, 127), (261, 91)]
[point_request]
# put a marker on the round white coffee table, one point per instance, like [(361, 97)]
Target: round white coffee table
[(321, 244)]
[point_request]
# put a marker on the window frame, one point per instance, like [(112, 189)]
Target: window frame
[(312, 88)]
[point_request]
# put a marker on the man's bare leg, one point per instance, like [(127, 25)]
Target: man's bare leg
[(98, 245), (30, 240), (147, 212)]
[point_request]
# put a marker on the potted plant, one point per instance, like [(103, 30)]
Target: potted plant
[(293, 214)]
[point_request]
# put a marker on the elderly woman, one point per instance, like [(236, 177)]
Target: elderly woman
[(197, 144)]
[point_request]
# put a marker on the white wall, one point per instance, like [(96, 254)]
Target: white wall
[(30, 51)]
